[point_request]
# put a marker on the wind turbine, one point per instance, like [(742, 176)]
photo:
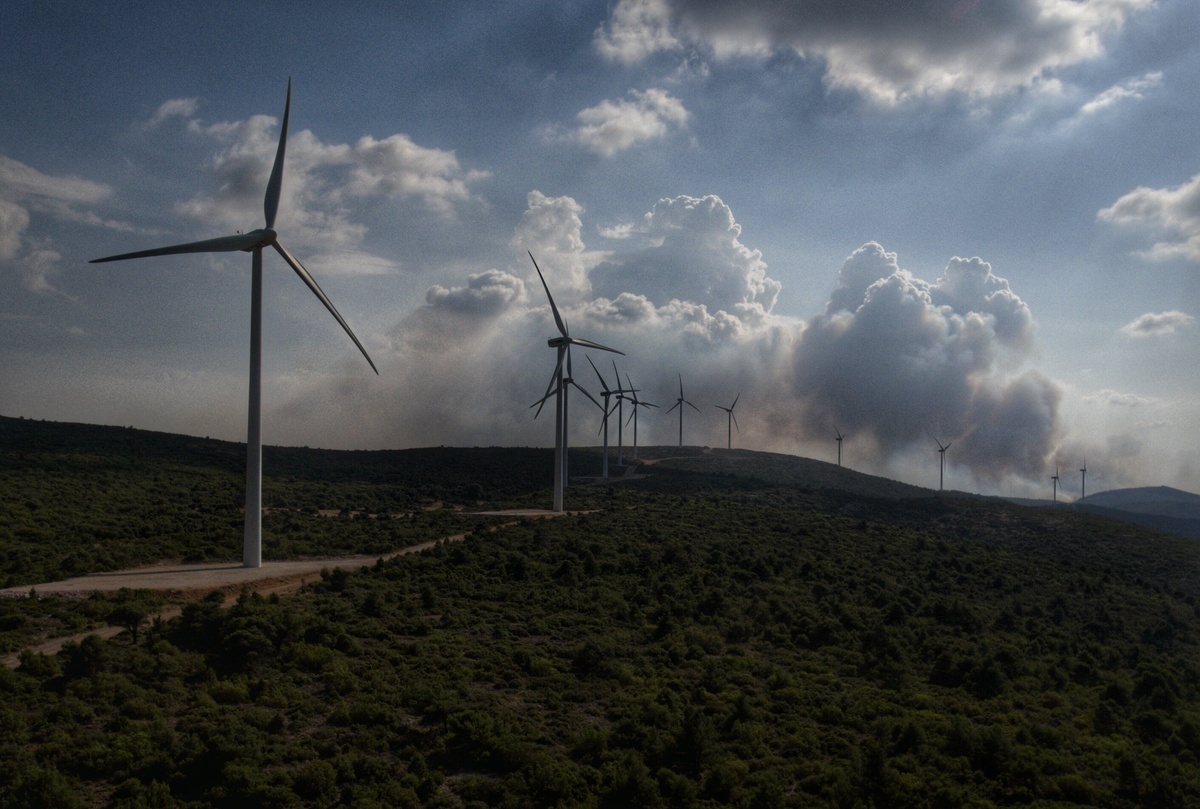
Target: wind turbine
[(254, 242), (839, 443), (1054, 478), (636, 404), (679, 403), (605, 394), (1083, 482), (621, 397), (730, 419), (558, 388), (942, 469)]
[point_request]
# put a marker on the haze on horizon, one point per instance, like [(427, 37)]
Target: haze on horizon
[(965, 221)]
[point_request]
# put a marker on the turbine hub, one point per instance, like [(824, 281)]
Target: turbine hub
[(266, 236)]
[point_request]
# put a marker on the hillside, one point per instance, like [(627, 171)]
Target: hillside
[(1159, 507), (722, 629)]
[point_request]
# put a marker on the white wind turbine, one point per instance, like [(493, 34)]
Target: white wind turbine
[(606, 394), (1083, 481), (942, 463), (679, 403), (730, 420), (636, 404), (254, 242), (558, 388), (1054, 478), (839, 443)]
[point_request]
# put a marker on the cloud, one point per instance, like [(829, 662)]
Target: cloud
[(1156, 324), (614, 126), (1171, 212), (892, 360), (325, 184), (636, 30), (1133, 88), (488, 292), (175, 108), (24, 189), (1116, 398), (690, 251), (901, 361), (888, 52)]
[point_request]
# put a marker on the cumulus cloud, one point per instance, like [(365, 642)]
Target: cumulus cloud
[(901, 361), (1173, 213), (24, 189), (614, 126), (636, 30), (886, 51), (488, 292), (323, 184), (691, 251), (893, 360), (1155, 324)]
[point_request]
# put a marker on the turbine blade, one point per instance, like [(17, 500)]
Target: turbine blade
[(316, 290), (603, 384), (590, 344), (562, 329), (734, 417), (275, 184), (681, 386), (692, 406), (549, 388), (221, 244), (583, 390), (735, 400), (673, 407)]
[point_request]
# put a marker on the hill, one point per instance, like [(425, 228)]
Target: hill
[(1159, 507), (720, 629)]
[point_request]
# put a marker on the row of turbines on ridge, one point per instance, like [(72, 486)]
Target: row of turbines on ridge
[(255, 241)]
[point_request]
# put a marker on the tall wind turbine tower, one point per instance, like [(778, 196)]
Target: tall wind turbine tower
[(730, 420), (633, 417), (680, 402), (558, 388), (942, 464), (839, 443), (253, 242), (1054, 478), (1083, 481), (605, 394)]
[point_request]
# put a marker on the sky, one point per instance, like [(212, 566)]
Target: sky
[(965, 221)]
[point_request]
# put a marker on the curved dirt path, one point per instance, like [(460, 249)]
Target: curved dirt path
[(191, 582)]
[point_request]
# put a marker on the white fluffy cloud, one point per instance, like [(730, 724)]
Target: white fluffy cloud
[(886, 51), (323, 185), (614, 126), (691, 251), (1155, 324), (1173, 213), (892, 360)]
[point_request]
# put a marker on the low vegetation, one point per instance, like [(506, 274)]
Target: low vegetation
[(700, 638)]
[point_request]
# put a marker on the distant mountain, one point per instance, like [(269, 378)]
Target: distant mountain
[(1158, 507)]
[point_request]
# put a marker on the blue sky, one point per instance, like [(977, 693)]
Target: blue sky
[(970, 220)]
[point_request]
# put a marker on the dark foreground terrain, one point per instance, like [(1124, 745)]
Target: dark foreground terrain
[(731, 629)]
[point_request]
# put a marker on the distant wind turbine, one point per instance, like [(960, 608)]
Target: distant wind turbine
[(636, 404), (679, 403), (1083, 481), (839, 443), (942, 464), (1054, 478), (254, 242), (730, 419), (621, 397), (558, 388), (606, 394)]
